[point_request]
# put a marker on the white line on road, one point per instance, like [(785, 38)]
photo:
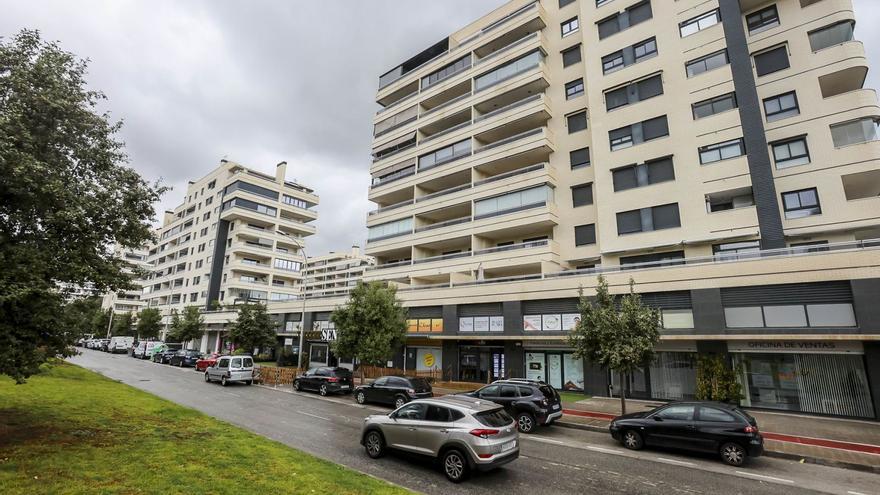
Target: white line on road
[(314, 415), (607, 451), (543, 440), (673, 461), (854, 493), (760, 476)]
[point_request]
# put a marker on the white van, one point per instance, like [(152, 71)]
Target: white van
[(144, 348), (229, 369), (120, 344)]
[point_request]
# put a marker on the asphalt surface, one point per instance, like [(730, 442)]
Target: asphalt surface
[(554, 460)]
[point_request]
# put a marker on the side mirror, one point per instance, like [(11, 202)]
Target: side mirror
[(658, 418)]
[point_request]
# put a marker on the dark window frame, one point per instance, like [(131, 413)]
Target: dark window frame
[(716, 13), (568, 121), (575, 203), (579, 163), (711, 103), (758, 21), (786, 142), (572, 24), (585, 235), (786, 210), (763, 53), (719, 146), (702, 60), (572, 49), (779, 114), (573, 85)]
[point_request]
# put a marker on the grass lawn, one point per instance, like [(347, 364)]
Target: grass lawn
[(572, 396), (69, 430)]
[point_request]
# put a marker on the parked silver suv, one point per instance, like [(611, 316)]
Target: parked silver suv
[(463, 433)]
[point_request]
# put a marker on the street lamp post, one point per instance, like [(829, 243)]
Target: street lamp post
[(302, 319)]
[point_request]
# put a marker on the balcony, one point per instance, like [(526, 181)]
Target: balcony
[(444, 217), (861, 185), (445, 99), (445, 126), (530, 8), (843, 81)]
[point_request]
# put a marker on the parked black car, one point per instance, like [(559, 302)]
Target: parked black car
[(393, 390), (530, 402), (723, 429), (185, 357), (325, 380)]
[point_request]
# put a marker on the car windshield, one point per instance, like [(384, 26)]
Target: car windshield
[(420, 384), (248, 362), (494, 418), (342, 373)]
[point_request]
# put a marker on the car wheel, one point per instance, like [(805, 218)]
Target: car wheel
[(360, 397), (525, 422), (323, 390), (399, 401), (223, 381), (733, 454), (250, 382), (455, 466), (633, 440), (207, 378), (374, 444), (180, 363), (297, 386)]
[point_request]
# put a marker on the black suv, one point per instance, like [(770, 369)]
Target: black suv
[(530, 402), (393, 390), (325, 380), (723, 429), (185, 357)]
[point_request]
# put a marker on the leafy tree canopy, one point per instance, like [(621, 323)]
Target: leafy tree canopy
[(149, 323), (371, 325), (189, 326), (253, 328), (123, 324), (66, 197)]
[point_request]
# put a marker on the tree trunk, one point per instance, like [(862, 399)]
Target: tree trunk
[(361, 369), (622, 393)]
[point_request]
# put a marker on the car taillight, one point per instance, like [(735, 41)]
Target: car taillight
[(545, 402), (484, 433), (411, 391), (333, 379), (751, 429)]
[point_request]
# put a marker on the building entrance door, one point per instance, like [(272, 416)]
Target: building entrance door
[(481, 364)]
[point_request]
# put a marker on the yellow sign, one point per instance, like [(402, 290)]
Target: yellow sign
[(412, 325), (424, 325), (428, 360), (437, 325)]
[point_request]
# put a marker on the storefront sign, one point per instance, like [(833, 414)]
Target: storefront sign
[(465, 324), (570, 321), (481, 324), (496, 324), (327, 329), (532, 323), (797, 346), (288, 341), (425, 325), (551, 322)]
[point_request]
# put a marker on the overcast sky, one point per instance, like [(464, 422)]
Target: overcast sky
[(263, 81)]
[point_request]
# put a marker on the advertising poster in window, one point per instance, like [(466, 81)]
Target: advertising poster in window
[(535, 365), (532, 323), (424, 325), (570, 321), (552, 323), (481, 324), (574, 373), (496, 324), (437, 325), (412, 326), (465, 324)]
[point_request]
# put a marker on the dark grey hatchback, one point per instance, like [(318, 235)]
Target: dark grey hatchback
[(713, 427)]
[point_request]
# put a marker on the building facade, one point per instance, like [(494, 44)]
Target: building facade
[(237, 237), (723, 154), (128, 301), (336, 273)]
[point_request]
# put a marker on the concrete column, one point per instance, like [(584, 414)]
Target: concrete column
[(450, 359), (514, 356), (866, 293), (512, 311), (708, 311), (450, 319)]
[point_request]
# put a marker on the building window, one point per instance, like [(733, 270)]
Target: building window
[(634, 92), (574, 89), (731, 250), (803, 203), (512, 202), (772, 61), (665, 259), (579, 158), (446, 72), (855, 132), (282, 264), (600, 3), (445, 155), (523, 64), (705, 64), (832, 35), (781, 106), (722, 151), (699, 23), (645, 49), (612, 62), (569, 26), (577, 121), (652, 172), (616, 23), (762, 20), (212, 184), (713, 106), (563, 3), (582, 195), (585, 235), (571, 56), (638, 133), (791, 152), (390, 229), (648, 219), (635, 54)]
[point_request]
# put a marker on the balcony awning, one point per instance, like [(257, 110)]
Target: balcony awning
[(394, 168), (395, 143)]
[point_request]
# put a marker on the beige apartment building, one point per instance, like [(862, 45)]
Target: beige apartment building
[(236, 237), (129, 300), (722, 153), (336, 273)]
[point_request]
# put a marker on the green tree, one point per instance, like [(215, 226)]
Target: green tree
[(149, 323), (371, 325), (253, 328), (101, 322), (190, 326), (616, 333), (717, 381), (66, 197), (79, 315), (123, 324)]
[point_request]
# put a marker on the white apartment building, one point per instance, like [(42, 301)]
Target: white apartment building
[(128, 301), (336, 273)]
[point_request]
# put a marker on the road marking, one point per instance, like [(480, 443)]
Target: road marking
[(771, 478), (854, 493), (607, 451), (544, 440), (673, 461), (314, 415)]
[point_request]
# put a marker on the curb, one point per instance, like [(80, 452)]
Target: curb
[(768, 453)]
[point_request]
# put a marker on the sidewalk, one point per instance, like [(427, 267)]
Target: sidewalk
[(839, 442)]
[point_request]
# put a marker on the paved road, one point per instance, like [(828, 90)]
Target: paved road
[(556, 460)]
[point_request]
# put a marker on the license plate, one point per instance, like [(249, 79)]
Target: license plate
[(343, 386), (508, 446), (555, 406)]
